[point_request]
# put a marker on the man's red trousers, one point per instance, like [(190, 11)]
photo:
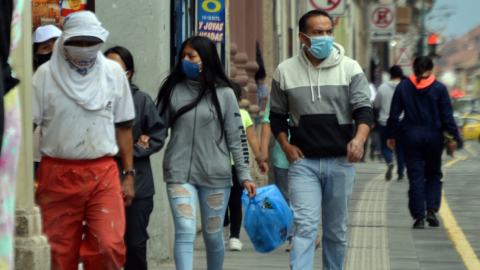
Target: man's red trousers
[(71, 191)]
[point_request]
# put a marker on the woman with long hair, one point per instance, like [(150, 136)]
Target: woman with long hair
[(198, 103), (428, 114)]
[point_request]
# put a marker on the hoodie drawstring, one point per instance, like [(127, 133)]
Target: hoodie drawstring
[(318, 84), (311, 85), (310, 81)]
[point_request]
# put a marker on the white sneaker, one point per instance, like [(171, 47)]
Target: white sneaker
[(235, 244)]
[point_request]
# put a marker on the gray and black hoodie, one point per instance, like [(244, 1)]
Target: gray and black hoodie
[(324, 103)]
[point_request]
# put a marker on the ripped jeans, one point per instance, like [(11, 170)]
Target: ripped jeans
[(183, 203)]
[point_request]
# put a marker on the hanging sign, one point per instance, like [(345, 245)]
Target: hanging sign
[(211, 19), (383, 23), (332, 7), (405, 62), (404, 59)]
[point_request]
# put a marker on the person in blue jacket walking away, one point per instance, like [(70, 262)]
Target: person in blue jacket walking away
[(428, 114)]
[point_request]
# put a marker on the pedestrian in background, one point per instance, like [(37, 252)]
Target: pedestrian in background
[(382, 103), (235, 201), (324, 94), (43, 39), (147, 130), (374, 134), (280, 167), (83, 103), (428, 114), (260, 75), (198, 103)]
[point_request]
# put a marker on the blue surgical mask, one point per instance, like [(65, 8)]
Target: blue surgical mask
[(321, 46), (192, 70), (42, 58)]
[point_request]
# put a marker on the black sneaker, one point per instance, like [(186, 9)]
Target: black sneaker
[(419, 224), (432, 219), (388, 175), (400, 178)]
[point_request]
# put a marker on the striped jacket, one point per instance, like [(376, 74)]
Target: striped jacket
[(324, 102)]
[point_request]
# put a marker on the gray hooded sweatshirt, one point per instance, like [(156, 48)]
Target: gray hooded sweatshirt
[(383, 100), (324, 103), (195, 153)]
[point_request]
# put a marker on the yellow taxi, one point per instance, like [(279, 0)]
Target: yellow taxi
[(471, 127)]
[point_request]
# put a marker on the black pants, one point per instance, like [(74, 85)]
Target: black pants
[(235, 207), (423, 157), (136, 236), (375, 142)]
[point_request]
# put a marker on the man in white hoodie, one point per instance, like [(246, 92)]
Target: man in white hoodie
[(382, 102), (82, 102), (327, 98)]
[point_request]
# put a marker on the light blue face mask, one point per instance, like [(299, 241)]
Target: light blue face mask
[(192, 70), (321, 46)]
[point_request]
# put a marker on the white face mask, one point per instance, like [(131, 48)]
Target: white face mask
[(82, 59)]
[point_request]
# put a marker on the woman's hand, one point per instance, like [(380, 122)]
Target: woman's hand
[(452, 146), (143, 141), (263, 168), (262, 157), (251, 188), (391, 144)]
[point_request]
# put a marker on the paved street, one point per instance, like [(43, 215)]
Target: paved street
[(379, 228)]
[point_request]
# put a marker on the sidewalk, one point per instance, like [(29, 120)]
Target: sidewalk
[(379, 234)]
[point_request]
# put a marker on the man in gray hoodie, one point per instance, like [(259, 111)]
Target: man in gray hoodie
[(327, 98), (383, 101)]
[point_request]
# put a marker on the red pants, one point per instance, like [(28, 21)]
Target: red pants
[(71, 191)]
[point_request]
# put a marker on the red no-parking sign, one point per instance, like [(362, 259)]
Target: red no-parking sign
[(382, 22), (333, 7)]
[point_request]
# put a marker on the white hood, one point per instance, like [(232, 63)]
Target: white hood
[(332, 60), (90, 90)]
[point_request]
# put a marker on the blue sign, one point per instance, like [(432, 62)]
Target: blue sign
[(211, 19)]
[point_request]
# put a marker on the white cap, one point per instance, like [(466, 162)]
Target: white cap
[(44, 33)]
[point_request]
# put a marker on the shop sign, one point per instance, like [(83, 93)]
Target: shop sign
[(46, 12), (211, 19)]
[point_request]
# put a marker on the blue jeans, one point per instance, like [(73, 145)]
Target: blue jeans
[(183, 203), (388, 154), (320, 186)]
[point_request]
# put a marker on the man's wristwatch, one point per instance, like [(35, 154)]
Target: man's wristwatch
[(132, 173)]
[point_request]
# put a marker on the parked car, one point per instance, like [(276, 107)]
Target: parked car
[(471, 127)]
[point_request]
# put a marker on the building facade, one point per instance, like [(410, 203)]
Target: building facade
[(153, 31)]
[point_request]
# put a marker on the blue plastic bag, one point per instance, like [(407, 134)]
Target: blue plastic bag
[(268, 218)]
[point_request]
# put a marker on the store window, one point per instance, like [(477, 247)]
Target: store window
[(53, 12)]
